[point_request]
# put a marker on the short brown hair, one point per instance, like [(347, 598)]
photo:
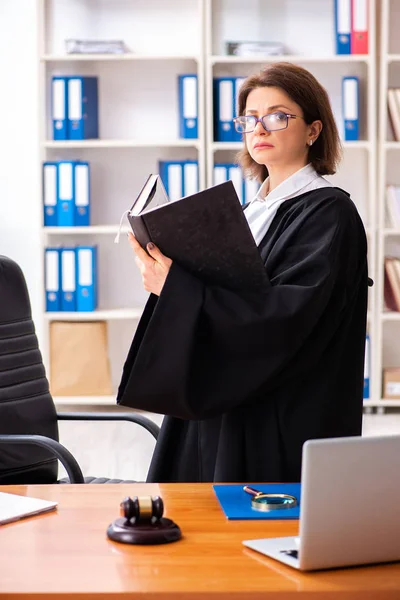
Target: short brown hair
[(304, 89)]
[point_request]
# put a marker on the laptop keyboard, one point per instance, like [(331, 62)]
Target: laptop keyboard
[(293, 553)]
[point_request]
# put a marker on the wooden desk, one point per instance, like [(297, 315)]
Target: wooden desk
[(67, 555)]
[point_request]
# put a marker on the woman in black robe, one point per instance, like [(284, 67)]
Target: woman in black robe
[(245, 378)]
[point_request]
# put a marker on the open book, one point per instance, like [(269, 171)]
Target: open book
[(205, 233)]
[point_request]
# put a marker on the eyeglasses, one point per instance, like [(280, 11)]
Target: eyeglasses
[(272, 122)]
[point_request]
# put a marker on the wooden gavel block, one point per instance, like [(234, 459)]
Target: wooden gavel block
[(141, 522)]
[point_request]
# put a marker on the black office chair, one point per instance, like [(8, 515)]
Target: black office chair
[(29, 442)]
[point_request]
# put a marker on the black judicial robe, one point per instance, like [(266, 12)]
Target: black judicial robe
[(244, 379)]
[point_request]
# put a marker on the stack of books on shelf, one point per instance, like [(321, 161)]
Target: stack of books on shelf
[(367, 367), (351, 26), (71, 279), (226, 93), (246, 189), (394, 111), (351, 108), (66, 193), (393, 206), (254, 48), (188, 106), (76, 46), (75, 112), (392, 284), (180, 177), (75, 109)]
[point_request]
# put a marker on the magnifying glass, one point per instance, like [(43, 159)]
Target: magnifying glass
[(267, 502)]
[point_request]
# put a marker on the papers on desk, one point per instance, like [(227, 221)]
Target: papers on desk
[(14, 507), (236, 504)]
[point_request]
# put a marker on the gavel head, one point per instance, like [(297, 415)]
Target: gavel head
[(142, 508)]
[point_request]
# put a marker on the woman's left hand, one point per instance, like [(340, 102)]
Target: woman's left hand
[(154, 268)]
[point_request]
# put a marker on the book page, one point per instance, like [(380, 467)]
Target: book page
[(157, 197), (152, 195)]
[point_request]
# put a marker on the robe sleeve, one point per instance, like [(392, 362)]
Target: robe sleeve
[(204, 350)]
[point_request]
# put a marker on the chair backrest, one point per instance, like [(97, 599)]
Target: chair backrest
[(26, 406)]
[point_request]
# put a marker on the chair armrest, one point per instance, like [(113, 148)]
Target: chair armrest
[(149, 425), (64, 456)]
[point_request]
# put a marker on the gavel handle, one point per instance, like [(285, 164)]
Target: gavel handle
[(251, 491)]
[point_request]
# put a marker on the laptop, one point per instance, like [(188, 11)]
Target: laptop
[(349, 506), (14, 507)]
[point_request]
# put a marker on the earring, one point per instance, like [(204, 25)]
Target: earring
[(310, 143)]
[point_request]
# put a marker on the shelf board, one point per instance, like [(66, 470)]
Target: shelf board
[(390, 316), (382, 402), (361, 144), (296, 58), (129, 56), (392, 58), (90, 230), (391, 145), (121, 144), (86, 400), (391, 232), (96, 315), (226, 146)]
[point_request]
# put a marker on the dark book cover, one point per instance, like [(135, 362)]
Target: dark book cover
[(205, 233)]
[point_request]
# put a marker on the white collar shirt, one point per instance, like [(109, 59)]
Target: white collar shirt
[(262, 209)]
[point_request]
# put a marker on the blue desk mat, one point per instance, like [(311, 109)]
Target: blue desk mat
[(236, 503)]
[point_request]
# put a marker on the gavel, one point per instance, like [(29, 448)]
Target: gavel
[(142, 508), (142, 522)]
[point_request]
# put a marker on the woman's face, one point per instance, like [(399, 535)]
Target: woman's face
[(283, 147)]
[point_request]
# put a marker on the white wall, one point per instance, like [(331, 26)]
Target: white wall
[(20, 217)]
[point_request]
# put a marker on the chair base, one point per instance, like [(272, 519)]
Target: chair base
[(99, 480), (162, 531)]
